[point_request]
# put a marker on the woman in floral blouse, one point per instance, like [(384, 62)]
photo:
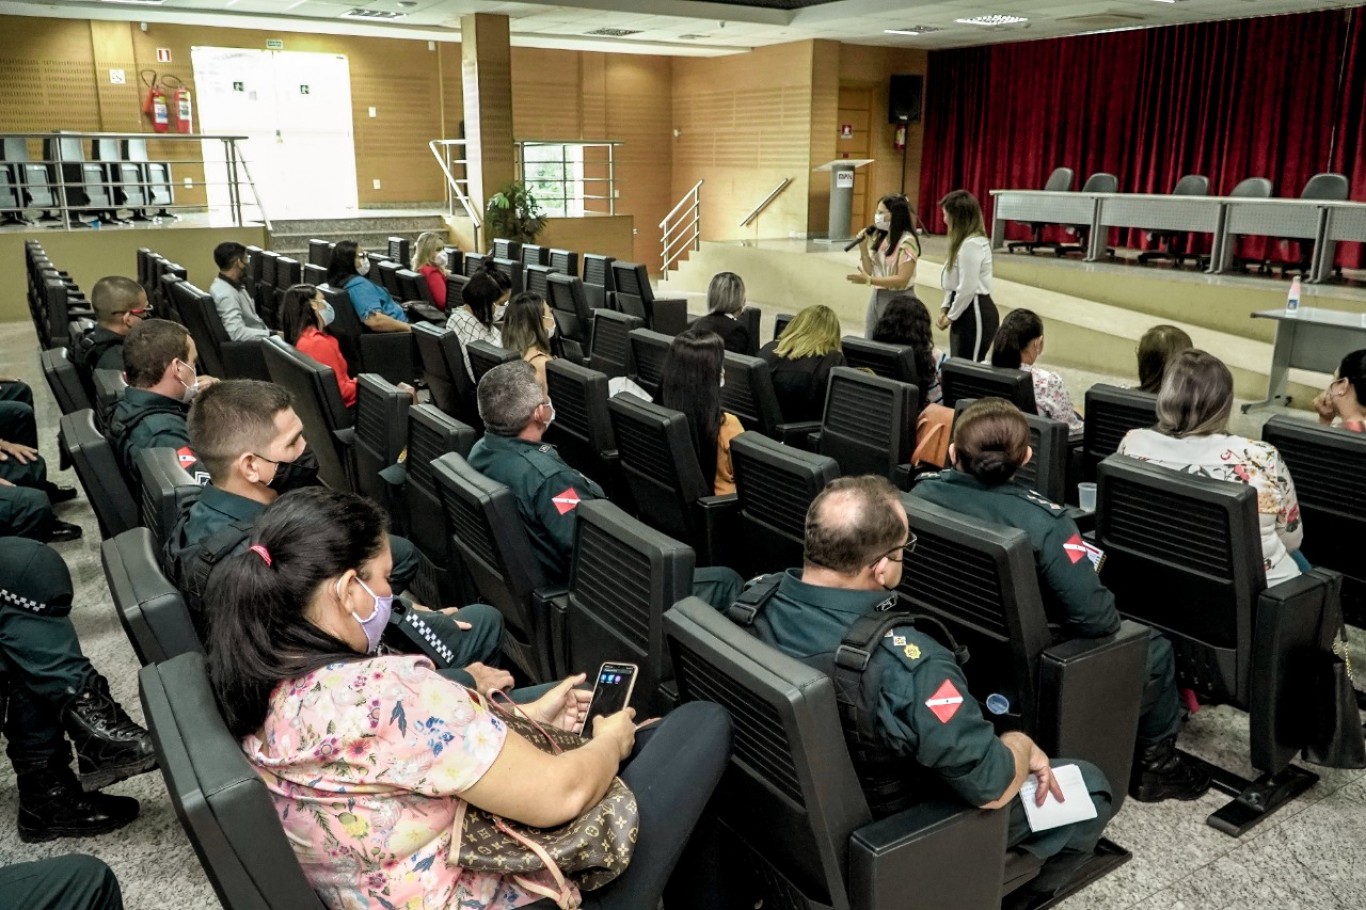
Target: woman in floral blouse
[(1192, 436), (369, 756), (1018, 344)]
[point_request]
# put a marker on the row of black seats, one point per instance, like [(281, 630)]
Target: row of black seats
[(118, 175)]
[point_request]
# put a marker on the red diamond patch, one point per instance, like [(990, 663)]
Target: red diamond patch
[(186, 457), (567, 501), (944, 702), (1075, 549)]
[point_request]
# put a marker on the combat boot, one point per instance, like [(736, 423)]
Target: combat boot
[(110, 746), (1160, 772), (52, 805)]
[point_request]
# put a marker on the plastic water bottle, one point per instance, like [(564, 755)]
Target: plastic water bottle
[(1292, 300)]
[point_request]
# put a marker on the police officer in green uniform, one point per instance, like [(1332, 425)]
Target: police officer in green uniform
[(120, 304), (516, 411), (74, 882), (929, 733), (246, 435), (26, 493), (57, 699), (991, 442)]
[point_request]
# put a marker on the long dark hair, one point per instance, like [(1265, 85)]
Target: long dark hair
[(483, 291), (260, 633), (524, 324), (342, 267), (692, 384), (297, 313), (1157, 346), (906, 321), (990, 440), (1017, 330), (1353, 369), (899, 207)]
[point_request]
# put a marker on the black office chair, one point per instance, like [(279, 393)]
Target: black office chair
[(582, 431), (150, 609), (414, 287), (485, 356), (1327, 187), (748, 394), (894, 361), (473, 263), (168, 489), (97, 469), (1249, 188), (1060, 181), (108, 386), (537, 279), (610, 351), (397, 248), (1172, 244), (649, 350), (774, 486), (64, 380), (869, 425), (598, 280), (780, 322), (317, 401), (1111, 412), (467, 409), (455, 288), (961, 378), (1099, 182), (319, 253), (511, 269), (222, 802), (392, 355), (635, 297), (573, 318), (531, 254)]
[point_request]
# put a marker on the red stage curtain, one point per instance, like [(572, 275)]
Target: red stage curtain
[(1349, 144), (1229, 100)]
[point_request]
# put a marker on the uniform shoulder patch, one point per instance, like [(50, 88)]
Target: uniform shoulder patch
[(1043, 502), (945, 701), (566, 501), (909, 649)]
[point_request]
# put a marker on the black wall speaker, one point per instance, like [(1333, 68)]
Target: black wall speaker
[(903, 99)]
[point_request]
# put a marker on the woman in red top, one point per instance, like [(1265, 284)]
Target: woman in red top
[(430, 260), (304, 315)]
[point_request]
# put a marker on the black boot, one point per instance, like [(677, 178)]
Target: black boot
[(52, 805), (109, 745), (1160, 772)]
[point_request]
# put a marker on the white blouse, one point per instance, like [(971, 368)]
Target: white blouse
[(970, 276)]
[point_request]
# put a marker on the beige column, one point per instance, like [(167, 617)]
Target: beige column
[(486, 79)]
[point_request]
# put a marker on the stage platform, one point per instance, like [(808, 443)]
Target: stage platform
[(1094, 312)]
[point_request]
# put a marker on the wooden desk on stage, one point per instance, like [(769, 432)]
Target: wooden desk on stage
[(1312, 339)]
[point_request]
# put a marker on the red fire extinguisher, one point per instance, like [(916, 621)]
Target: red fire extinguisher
[(181, 109), (899, 141), (154, 104)]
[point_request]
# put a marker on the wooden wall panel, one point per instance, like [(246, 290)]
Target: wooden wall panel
[(871, 68)]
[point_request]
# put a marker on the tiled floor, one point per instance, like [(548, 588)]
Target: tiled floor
[(1312, 854)]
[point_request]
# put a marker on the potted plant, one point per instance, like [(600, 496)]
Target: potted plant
[(513, 213)]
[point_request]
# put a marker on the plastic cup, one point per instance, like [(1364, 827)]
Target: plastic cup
[(1086, 496)]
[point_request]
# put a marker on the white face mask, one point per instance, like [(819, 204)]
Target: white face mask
[(882, 222), (191, 387), (442, 259), (550, 418), (364, 268)]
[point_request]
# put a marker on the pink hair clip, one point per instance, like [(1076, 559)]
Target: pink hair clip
[(261, 552)]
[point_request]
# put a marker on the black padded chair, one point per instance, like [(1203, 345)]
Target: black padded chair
[(108, 386), (537, 280), (649, 350), (894, 361), (748, 394), (610, 351), (392, 355), (1329, 467), (1326, 187), (1111, 412), (506, 249), (796, 828), (381, 430), (455, 289), (221, 356), (1099, 182), (962, 378), (488, 534), (97, 468), (319, 253), (511, 269), (1046, 471), (1172, 244), (531, 254), (150, 609), (666, 482), (623, 577), (573, 318), (168, 489), (256, 262), (435, 371), (455, 260), (288, 272), (398, 249), (317, 401), (1248, 188), (1060, 181), (582, 431), (453, 352), (269, 284), (869, 424), (635, 297), (774, 486), (484, 356), (598, 280), (1184, 555), (388, 276), (315, 275), (220, 799), (565, 262), (431, 434), (472, 263), (64, 380)]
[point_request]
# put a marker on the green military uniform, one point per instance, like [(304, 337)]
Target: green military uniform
[(1071, 588), (99, 349), (925, 713), (72, 882), (25, 510), (146, 420), (548, 491)]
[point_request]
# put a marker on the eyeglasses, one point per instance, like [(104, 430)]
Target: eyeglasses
[(141, 312), (906, 549)]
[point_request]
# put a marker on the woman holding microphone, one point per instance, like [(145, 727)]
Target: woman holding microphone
[(966, 279), (888, 264)]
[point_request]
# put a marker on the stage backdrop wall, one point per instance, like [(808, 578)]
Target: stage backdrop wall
[(1243, 98)]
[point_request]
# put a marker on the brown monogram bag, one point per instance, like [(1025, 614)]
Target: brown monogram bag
[(591, 850)]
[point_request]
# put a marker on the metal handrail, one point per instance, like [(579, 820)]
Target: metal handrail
[(690, 230), (565, 183), (452, 183), (692, 193), (767, 199)]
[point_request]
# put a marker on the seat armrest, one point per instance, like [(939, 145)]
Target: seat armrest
[(346, 436), (1090, 698), (552, 603), (392, 355), (715, 523), (903, 477), (935, 855), (795, 433), (813, 442), (670, 315), (245, 360)]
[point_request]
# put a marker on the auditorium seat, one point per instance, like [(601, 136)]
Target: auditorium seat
[(255, 263), (1249, 188), (390, 354), (635, 297), (455, 261), (473, 263), (397, 248), (1099, 182), (33, 181), (565, 261), (582, 430), (780, 322), (319, 253), (649, 350), (165, 304), (748, 394), (1111, 412), (150, 609), (108, 386), (381, 431), (1184, 555), (484, 356), (537, 278), (894, 361), (1078, 698), (598, 281), (220, 799), (465, 393), (610, 350), (573, 318), (1172, 244), (455, 289), (774, 486), (1326, 187), (64, 380), (156, 174), (84, 182), (1060, 181), (961, 378), (869, 424), (388, 275), (168, 489), (506, 249), (796, 831), (531, 254), (435, 372), (288, 272), (1046, 471), (124, 178), (219, 355), (488, 534), (317, 401), (432, 434), (98, 471), (511, 269)]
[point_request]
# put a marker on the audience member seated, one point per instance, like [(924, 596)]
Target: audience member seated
[(1192, 436), (236, 309), (252, 444), (725, 300), (905, 321), (1158, 346), (990, 443), (1018, 344), (516, 411), (430, 261), (801, 360), (71, 882), (58, 700), (159, 362), (528, 326), (26, 494), (371, 787), (120, 304), (933, 733), (480, 317), (692, 384), (1342, 398), (374, 307), (304, 317)]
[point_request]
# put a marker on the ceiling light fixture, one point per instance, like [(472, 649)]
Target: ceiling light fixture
[(137, 2), (912, 30), (992, 20)]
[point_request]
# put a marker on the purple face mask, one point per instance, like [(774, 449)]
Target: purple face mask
[(373, 625)]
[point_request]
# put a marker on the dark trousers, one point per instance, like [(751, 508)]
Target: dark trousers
[(973, 331), (41, 660), (1064, 848), (62, 883), (1161, 711), (672, 772), (482, 642), (25, 512)]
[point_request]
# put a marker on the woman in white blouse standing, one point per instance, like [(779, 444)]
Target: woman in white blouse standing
[(966, 279), (888, 263)]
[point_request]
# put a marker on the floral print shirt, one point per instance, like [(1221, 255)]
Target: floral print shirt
[(365, 761), (1051, 398), (470, 330), (1240, 460)]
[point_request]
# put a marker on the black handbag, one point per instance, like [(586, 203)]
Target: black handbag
[(1335, 734)]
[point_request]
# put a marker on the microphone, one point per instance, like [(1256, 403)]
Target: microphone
[(859, 237)]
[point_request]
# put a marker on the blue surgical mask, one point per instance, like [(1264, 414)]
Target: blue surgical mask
[(328, 314), (373, 625)]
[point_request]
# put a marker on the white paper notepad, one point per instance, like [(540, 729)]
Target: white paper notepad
[(1077, 804)]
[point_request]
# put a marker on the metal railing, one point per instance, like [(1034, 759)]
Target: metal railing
[(773, 194), (575, 165), (456, 186), (684, 232), (82, 190)]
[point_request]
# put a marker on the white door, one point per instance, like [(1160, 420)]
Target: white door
[(295, 110)]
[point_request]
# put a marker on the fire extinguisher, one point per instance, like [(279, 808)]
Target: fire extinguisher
[(899, 141), (154, 104), (182, 111)]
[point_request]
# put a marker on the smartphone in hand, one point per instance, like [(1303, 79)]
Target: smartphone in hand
[(611, 692)]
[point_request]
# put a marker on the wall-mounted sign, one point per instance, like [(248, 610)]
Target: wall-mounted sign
[(274, 44), (163, 55), (239, 86), (303, 90), (846, 131), (118, 77)]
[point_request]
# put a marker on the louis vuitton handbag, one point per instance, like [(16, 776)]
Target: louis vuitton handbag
[(590, 851)]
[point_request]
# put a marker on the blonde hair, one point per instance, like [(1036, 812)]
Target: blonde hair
[(966, 215), (726, 293), (428, 245), (814, 332), (1196, 397)]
